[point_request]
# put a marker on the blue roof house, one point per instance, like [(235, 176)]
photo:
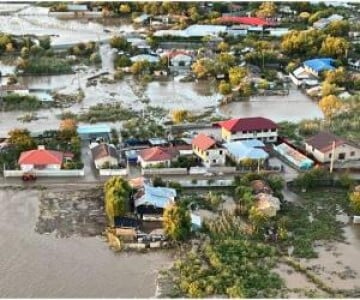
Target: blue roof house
[(247, 149), (317, 65)]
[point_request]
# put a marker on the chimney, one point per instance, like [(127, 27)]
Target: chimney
[(41, 147)]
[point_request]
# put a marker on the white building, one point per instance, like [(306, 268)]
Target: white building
[(14, 89), (321, 147), (157, 156), (208, 150)]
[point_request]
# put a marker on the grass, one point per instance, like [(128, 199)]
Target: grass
[(322, 204), (106, 113)]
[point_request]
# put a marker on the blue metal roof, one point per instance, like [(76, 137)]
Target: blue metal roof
[(246, 150), (320, 64), (156, 196), (93, 129)]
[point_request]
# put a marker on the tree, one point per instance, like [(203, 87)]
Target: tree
[(177, 222), (257, 218), (355, 202), (179, 115), (236, 75), (95, 58), (21, 139), (224, 88), (125, 9), (336, 47), (119, 43), (140, 67), (24, 52), (266, 10), (45, 42), (117, 191), (337, 76), (328, 88), (339, 28), (123, 61), (68, 124), (330, 105), (203, 67), (223, 47), (263, 84), (12, 79)]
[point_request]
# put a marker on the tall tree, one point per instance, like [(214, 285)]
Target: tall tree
[(336, 47), (266, 10), (355, 202), (177, 222), (330, 105), (117, 191), (22, 139)]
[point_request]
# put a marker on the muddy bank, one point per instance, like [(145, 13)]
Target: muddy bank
[(46, 266)]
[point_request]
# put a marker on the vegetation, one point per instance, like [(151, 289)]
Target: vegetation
[(20, 102), (355, 202), (45, 65), (116, 195), (106, 113), (177, 222)]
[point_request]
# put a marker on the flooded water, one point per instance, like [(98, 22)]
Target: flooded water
[(294, 107), (42, 266)]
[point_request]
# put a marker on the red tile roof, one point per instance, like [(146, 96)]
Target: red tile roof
[(41, 157), (157, 154), (323, 141), (247, 124), (244, 20), (203, 142)]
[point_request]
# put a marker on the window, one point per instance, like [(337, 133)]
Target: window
[(207, 153), (342, 155), (273, 130), (214, 160), (352, 153), (330, 155), (221, 152)]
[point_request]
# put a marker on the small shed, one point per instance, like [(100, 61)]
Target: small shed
[(88, 132)]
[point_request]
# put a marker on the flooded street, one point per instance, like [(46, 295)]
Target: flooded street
[(43, 266)]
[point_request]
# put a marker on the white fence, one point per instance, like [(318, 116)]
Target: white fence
[(113, 172), (164, 171), (46, 173), (71, 14), (206, 182), (203, 170)]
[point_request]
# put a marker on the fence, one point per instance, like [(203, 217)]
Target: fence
[(46, 173), (203, 170), (206, 183), (113, 172), (165, 171)]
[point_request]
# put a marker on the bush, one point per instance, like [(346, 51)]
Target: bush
[(19, 102), (46, 65)]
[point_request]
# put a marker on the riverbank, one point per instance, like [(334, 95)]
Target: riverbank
[(46, 266)]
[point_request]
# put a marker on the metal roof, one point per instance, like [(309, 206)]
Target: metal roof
[(246, 150), (320, 64), (156, 196), (93, 129)]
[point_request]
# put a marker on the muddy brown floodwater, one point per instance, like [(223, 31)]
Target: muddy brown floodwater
[(43, 266)]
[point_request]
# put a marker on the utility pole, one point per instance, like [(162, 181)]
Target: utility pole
[(332, 157)]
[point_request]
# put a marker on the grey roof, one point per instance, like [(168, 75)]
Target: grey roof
[(103, 150), (157, 196)]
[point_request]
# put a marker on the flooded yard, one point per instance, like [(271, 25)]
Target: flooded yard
[(44, 266)]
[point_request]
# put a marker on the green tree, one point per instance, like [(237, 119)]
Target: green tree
[(223, 47), (224, 88), (95, 58), (117, 191), (140, 67), (257, 218), (119, 43), (177, 222), (123, 61), (236, 75), (339, 28), (45, 42)]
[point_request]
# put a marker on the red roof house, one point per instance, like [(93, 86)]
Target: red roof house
[(248, 128), (157, 155), (251, 21), (41, 159), (203, 142)]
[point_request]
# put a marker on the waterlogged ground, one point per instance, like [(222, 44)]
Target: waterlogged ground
[(46, 266)]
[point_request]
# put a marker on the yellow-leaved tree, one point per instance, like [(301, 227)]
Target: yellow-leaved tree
[(330, 105), (177, 222)]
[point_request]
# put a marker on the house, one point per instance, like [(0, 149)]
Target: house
[(14, 89), (150, 202), (249, 128), (194, 31), (142, 19), (157, 155), (179, 58), (354, 64), (41, 159), (250, 21), (323, 22), (300, 76), (104, 155), (319, 65), (324, 144), (89, 132), (208, 150), (246, 149), (142, 57), (293, 156)]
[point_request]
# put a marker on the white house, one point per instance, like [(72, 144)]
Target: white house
[(249, 128), (157, 155), (208, 150), (354, 64), (141, 57), (14, 89), (104, 155), (321, 147)]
